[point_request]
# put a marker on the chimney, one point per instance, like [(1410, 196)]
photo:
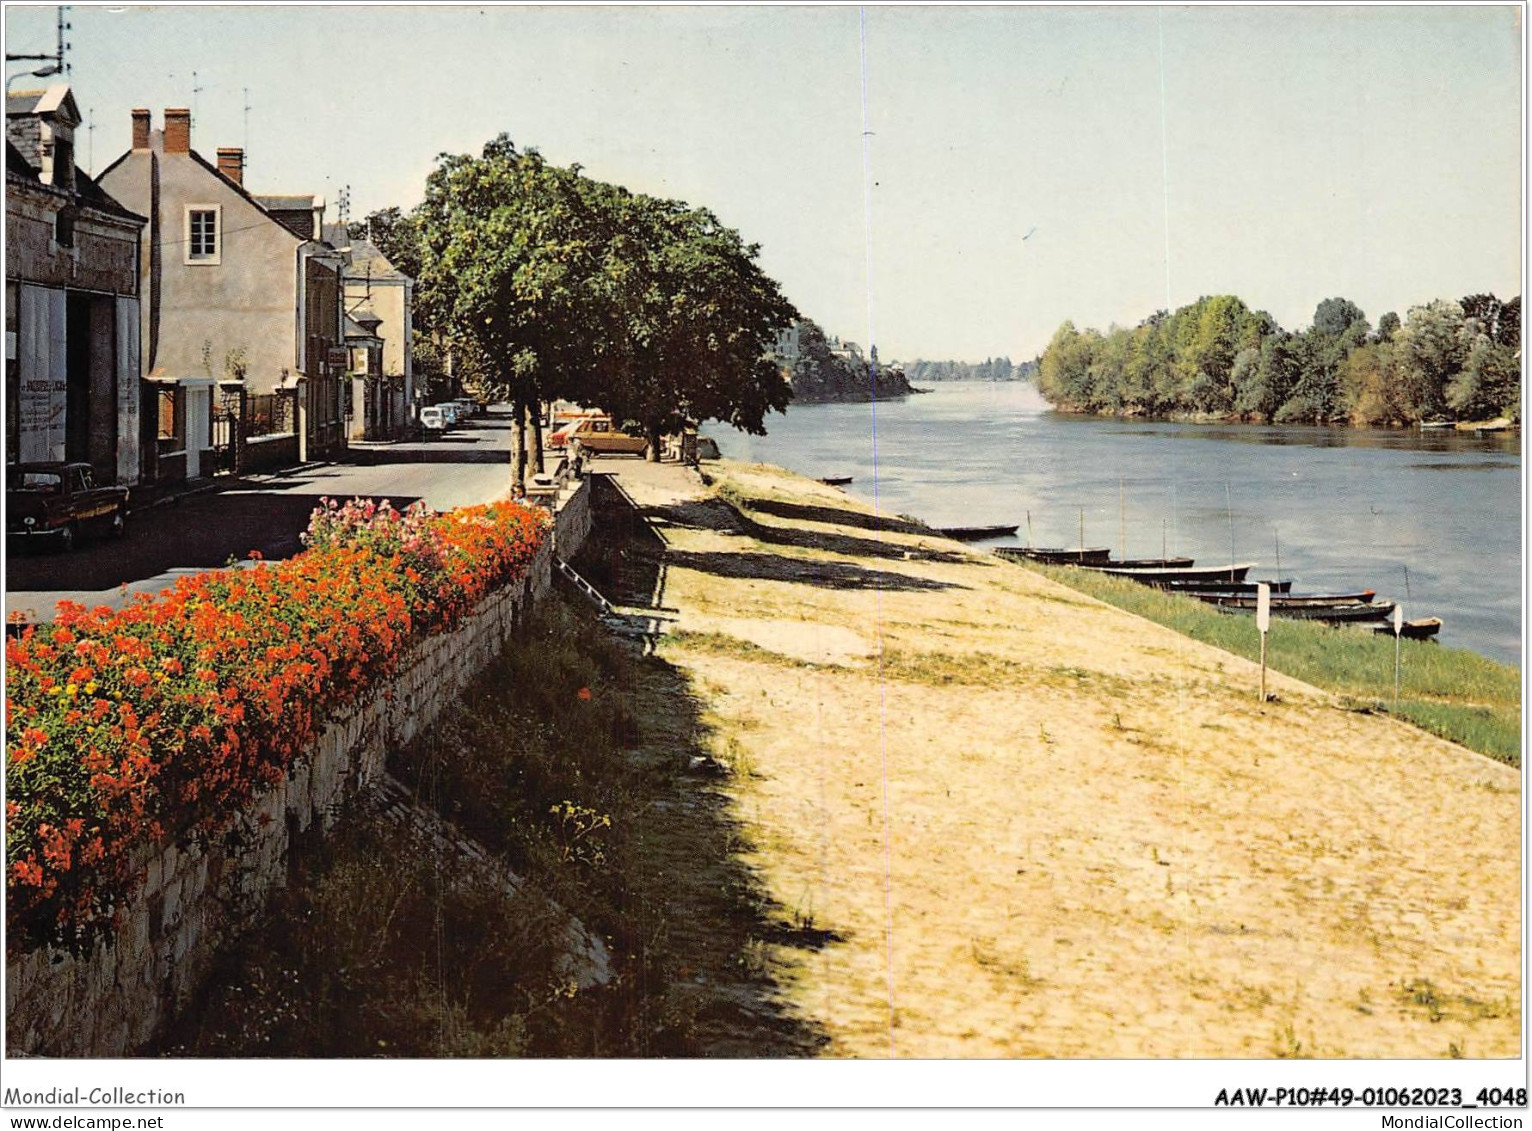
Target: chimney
[(178, 130), (140, 129), (231, 163)]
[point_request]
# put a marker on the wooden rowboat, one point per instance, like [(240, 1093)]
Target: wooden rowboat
[(1056, 555), (1341, 612), (1231, 588), (1281, 601), (1423, 629), (1151, 563), (1157, 574), (835, 480), (975, 533)]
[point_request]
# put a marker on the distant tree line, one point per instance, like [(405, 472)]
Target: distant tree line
[(540, 283), (1217, 358), (821, 373), (990, 369)]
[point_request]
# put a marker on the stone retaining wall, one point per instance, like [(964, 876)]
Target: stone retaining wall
[(194, 899), (572, 519)]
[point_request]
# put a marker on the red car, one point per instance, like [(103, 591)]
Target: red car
[(60, 501)]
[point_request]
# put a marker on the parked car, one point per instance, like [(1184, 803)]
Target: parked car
[(578, 426), (449, 412), (432, 419), (61, 502)]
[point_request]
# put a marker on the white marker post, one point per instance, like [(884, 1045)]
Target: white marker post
[(1263, 622), (1398, 640)]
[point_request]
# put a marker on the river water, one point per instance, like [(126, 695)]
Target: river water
[(1431, 519)]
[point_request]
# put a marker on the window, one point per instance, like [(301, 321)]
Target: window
[(63, 228), (202, 236), (63, 163), (43, 482)]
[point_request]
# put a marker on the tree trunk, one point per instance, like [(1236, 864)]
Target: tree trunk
[(537, 435), (519, 455), (652, 432)]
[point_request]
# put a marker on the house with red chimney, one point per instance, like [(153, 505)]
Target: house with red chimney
[(241, 299)]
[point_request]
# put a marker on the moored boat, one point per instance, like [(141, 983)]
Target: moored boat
[(1153, 575), (835, 480), (1340, 612), (1275, 584), (1056, 555), (976, 533), (1150, 563), (1281, 600), (1425, 628)]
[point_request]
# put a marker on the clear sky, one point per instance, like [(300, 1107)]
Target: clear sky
[(1291, 153)]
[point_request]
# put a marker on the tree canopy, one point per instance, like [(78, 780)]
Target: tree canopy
[(1216, 358), (547, 283)]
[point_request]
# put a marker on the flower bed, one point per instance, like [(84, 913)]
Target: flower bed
[(159, 720)]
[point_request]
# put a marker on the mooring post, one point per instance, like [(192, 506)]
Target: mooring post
[(1263, 623)]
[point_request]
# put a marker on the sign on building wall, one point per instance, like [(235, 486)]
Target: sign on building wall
[(127, 391), (41, 373)]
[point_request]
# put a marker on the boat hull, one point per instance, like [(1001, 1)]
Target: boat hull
[(1097, 555), (1279, 585), (1284, 601), (1156, 575), (975, 533), (1424, 629), (1350, 612)]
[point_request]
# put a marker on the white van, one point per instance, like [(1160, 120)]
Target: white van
[(432, 419)]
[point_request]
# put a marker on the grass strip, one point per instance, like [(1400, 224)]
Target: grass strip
[(1454, 693)]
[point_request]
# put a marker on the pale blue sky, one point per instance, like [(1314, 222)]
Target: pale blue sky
[(1367, 152)]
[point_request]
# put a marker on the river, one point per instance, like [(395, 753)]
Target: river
[(1431, 519)]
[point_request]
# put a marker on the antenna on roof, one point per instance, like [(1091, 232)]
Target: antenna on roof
[(343, 204), (90, 145), (247, 123), (196, 90)]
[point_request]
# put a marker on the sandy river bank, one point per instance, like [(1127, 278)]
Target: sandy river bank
[(1009, 820)]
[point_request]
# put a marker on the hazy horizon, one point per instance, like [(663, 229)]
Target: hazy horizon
[(1021, 169)]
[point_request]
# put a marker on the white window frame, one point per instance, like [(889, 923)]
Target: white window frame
[(186, 234)]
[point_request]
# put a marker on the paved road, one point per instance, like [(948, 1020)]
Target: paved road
[(470, 464)]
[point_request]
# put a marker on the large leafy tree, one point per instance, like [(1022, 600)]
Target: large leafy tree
[(507, 248), (552, 284), (693, 320), (1339, 327), (1429, 350)]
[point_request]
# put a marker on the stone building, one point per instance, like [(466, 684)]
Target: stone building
[(71, 299), (239, 298)]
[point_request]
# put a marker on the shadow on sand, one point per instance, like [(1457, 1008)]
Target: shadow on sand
[(896, 524)]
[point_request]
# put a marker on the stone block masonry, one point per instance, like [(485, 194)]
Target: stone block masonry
[(194, 899)]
